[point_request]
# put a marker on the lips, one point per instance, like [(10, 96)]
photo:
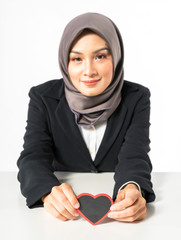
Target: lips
[(90, 82)]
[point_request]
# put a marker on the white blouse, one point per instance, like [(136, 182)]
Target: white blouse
[(93, 136)]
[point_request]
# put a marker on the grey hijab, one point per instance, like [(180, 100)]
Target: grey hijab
[(95, 109)]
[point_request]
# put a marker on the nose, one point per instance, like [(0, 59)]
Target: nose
[(90, 69)]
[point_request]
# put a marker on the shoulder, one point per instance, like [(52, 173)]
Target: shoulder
[(53, 88), (132, 87), (132, 93)]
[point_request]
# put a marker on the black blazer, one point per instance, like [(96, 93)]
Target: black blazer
[(53, 142)]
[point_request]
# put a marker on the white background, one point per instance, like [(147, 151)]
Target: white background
[(30, 32)]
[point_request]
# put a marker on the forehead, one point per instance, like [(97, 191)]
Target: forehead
[(88, 40)]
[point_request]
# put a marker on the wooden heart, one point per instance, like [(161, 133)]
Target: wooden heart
[(94, 208)]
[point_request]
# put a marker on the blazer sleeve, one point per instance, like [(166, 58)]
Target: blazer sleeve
[(133, 159), (35, 162)]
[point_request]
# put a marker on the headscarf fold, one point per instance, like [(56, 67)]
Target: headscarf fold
[(91, 110)]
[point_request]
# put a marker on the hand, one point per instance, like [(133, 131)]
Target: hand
[(129, 205), (62, 202)]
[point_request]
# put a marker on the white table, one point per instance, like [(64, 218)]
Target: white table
[(19, 222)]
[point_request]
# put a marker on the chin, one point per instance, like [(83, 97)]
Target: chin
[(90, 93)]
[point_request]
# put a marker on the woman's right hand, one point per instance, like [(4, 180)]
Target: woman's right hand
[(62, 202)]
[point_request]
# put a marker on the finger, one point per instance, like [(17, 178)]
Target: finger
[(140, 215), (72, 203), (129, 217), (130, 198), (120, 196), (143, 215), (126, 203), (61, 203), (140, 203), (119, 205), (53, 211), (134, 211), (128, 212), (67, 189)]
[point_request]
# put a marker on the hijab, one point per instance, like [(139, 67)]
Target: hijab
[(91, 110)]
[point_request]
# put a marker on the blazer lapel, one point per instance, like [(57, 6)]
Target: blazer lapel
[(66, 120), (114, 126)]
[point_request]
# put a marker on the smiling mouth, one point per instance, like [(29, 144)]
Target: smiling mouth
[(90, 82)]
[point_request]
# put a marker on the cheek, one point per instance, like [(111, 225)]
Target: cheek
[(107, 71), (74, 72)]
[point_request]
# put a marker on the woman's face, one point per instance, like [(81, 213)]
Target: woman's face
[(90, 65)]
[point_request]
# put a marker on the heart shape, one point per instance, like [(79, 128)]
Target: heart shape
[(94, 208)]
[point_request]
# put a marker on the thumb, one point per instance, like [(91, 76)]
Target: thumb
[(120, 196)]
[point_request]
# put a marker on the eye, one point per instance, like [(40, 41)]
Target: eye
[(101, 56), (77, 59)]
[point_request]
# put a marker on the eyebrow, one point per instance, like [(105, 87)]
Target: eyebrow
[(99, 50)]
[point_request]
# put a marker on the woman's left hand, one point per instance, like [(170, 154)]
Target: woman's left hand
[(129, 205)]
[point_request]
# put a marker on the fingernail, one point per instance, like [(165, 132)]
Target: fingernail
[(112, 207), (76, 214), (109, 214), (77, 205)]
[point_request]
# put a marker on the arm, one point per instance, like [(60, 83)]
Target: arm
[(38, 183), (133, 161), (35, 162)]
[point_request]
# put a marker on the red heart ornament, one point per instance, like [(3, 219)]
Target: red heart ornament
[(94, 208)]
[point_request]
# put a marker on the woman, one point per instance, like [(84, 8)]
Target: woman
[(89, 121)]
